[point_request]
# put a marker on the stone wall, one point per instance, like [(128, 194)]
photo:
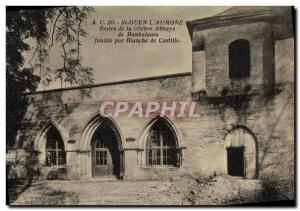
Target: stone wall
[(270, 120), (217, 40)]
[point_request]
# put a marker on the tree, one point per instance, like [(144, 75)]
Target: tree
[(62, 26)]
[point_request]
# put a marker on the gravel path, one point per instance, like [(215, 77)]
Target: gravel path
[(184, 190)]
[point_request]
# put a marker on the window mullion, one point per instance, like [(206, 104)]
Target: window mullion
[(161, 147), (56, 152)]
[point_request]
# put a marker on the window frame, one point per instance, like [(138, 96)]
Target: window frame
[(161, 160), (101, 147), (59, 152)]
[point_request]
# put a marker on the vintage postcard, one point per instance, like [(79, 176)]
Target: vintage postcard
[(150, 106)]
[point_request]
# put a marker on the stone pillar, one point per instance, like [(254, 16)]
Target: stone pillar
[(198, 73), (269, 61)]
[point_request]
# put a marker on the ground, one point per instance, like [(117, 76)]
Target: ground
[(181, 190)]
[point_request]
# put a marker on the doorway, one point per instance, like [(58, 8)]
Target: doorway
[(235, 161), (105, 153)]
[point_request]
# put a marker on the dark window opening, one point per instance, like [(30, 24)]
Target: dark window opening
[(161, 146), (239, 59), (55, 150), (235, 161)]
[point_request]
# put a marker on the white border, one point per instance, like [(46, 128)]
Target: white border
[(3, 3)]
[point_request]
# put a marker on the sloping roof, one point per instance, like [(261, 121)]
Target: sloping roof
[(242, 10), (242, 14)]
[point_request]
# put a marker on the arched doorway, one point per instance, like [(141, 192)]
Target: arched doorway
[(241, 153), (105, 153), (99, 134)]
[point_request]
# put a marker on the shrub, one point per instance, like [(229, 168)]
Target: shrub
[(276, 189)]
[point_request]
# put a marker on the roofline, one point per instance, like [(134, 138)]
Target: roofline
[(221, 20), (229, 16), (112, 83)]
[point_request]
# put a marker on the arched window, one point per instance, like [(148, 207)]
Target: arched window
[(55, 150), (161, 146), (239, 59)]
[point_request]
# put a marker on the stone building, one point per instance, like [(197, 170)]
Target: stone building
[(242, 81)]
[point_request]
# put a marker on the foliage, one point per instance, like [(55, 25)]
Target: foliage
[(58, 25), (272, 189), (276, 189)]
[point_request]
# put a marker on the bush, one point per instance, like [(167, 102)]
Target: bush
[(56, 174), (276, 189)]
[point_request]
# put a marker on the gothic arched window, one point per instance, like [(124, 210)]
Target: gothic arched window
[(239, 59), (55, 150), (161, 146)]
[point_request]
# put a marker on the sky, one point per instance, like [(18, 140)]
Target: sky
[(112, 62)]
